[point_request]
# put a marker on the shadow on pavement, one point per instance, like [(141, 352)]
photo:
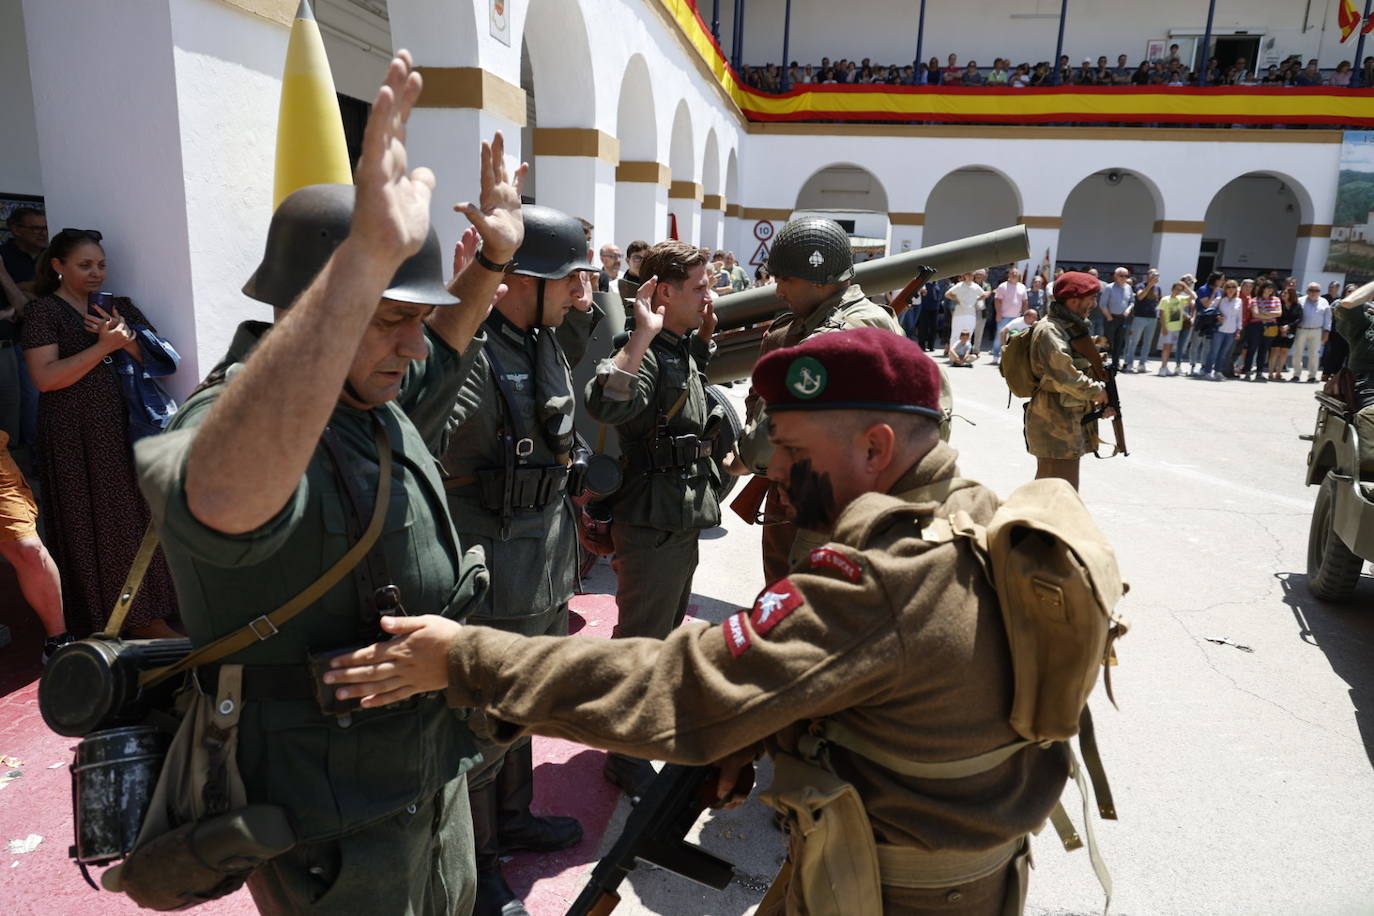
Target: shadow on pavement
[(1345, 634), (19, 664)]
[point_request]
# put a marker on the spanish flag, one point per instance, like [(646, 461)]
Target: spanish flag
[(1347, 18), (310, 138), (1368, 26)]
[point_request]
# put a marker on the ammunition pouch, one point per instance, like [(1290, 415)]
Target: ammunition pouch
[(529, 488), (667, 453)]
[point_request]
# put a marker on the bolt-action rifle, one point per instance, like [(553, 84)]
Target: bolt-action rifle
[(654, 832), (1083, 345)]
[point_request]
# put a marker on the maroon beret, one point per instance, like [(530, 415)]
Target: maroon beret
[(1075, 284), (860, 369)]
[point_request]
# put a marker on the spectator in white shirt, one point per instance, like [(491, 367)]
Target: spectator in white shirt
[(1011, 302), (1018, 325), (967, 297), (1312, 332), (1228, 332), (980, 276)]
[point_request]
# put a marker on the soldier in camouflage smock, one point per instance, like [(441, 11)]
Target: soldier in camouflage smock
[(1065, 393)]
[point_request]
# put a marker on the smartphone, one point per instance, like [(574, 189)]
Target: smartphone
[(102, 299)]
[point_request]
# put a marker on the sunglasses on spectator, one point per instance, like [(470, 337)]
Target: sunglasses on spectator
[(92, 234)]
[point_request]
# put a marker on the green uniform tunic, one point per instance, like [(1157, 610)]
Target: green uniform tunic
[(658, 515), (334, 776)]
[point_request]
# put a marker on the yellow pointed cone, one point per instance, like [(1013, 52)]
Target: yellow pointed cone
[(310, 138)]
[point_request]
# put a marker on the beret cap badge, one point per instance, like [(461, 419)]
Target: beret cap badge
[(806, 377)]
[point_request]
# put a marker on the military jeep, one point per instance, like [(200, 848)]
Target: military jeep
[(1341, 537)]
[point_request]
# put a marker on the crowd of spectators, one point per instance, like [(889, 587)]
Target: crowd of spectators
[(1254, 329), (1168, 70)]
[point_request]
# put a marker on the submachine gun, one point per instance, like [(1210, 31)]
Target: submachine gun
[(1084, 346), (654, 832)]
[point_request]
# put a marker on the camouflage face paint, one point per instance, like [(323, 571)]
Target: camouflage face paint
[(812, 497)]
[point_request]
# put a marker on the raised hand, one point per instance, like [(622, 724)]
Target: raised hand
[(111, 332), (708, 321), (391, 216), (648, 320), (496, 216)]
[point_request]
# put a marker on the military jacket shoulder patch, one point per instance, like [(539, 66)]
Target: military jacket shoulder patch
[(828, 558), (776, 602), (736, 634)]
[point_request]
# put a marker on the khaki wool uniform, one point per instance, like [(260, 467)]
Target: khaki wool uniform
[(378, 799), (658, 514), (899, 640), (784, 543), (1064, 391)]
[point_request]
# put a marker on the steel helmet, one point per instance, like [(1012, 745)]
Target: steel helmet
[(554, 245), (812, 249), (306, 228)]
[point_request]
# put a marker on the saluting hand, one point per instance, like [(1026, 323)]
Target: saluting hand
[(709, 320), (497, 214), (391, 216), (388, 672)]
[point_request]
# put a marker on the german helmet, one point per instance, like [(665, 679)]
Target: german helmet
[(306, 228)]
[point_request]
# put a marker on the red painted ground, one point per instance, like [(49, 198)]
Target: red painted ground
[(45, 883)]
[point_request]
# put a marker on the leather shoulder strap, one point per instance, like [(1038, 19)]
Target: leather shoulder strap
[(268, 625)]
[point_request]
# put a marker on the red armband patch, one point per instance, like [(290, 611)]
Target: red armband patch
[(777, 601), (833, 559), (736, 634)]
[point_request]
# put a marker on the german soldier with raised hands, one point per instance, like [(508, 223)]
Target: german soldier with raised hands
[(893, 638), (1065, 393), (653, 391), (273, 472), (506, 468)]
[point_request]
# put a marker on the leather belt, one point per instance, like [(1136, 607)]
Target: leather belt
[(264, 682), (667, 453)]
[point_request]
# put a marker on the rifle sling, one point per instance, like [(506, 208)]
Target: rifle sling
[(142, 560), (267, 625)]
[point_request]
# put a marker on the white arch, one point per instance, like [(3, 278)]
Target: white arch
[(710, 166), (732, 178), (842, 186), (635, 124), (968, 201), (1134, 203), (561, 63), (681, 158), (1255, 218), (1303, 197)]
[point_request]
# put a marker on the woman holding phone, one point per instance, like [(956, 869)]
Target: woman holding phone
[(94, 510)]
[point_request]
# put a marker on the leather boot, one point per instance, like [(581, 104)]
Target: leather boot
[(632, 775), (516, 827), (494, 895)]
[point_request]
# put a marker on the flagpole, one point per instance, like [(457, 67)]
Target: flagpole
[(1359, 45), (1059, 48), (1207, 41)]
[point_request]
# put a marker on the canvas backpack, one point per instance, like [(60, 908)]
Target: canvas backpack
[(1015, 365), (1057, 585)]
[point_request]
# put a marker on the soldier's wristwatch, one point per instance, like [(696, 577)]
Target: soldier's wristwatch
[(492, 266)]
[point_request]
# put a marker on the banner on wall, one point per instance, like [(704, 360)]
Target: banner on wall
[(1352, 231)]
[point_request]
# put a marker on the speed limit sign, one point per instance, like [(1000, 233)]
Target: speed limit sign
[(763, 230)]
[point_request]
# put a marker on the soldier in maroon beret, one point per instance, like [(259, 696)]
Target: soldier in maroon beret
[(894, 638), (1065, 392)]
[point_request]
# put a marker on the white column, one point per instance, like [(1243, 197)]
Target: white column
[(449, 141), (688, 213), (904, 236), (730, 236), (641, 212), (712, 228), (582, 186), (1309, 261), (156, 124), (1176, 254)]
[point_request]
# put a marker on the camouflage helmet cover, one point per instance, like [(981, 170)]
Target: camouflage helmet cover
[(813, 249)]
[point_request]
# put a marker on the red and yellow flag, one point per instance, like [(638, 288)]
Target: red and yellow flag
[(1368, 26), (1348, 18)]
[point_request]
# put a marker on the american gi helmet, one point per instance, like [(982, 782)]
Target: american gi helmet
[(812, 249), (306, 228)]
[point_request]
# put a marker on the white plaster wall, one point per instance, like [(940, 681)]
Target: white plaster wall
[(1023, 30), (358, 45), (228, 86), (20, 171), (1257, 220), (1104, 222), (967, 203)]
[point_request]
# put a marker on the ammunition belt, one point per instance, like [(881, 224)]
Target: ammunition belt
[(531, 488), (666, 453)]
